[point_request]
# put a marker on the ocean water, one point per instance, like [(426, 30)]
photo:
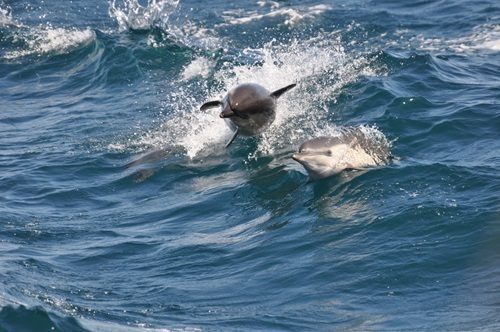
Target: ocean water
[(121, 210)]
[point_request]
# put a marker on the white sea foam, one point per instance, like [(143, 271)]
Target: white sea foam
[(130, 14), (484, 37), (292, 16), (46, 39)]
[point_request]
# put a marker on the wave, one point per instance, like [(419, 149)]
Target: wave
[(25, 41), (26, 319), (482, 38)]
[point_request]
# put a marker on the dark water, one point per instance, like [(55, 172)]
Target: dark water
[(198, 237)]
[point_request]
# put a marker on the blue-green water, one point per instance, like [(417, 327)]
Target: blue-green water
[(120, 208)]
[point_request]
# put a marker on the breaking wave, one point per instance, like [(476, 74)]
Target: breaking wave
[(48, 40)]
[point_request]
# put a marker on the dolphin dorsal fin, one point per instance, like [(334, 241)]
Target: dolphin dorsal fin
[(276, 94), (210, 104)]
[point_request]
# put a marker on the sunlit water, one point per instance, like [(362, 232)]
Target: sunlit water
[(120, 208)]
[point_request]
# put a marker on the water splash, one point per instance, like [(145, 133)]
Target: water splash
[(199, 67), (321, 67), (5, 17), (130, 14), (158, 14), (379, 146)]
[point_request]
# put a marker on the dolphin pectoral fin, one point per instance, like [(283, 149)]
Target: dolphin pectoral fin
[(232, 138), (210, 104), (279, 92)]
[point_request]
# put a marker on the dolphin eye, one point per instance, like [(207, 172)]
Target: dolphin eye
[(329, 153)]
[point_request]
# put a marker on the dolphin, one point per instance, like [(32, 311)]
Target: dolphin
[(248, 109), (326, 156)]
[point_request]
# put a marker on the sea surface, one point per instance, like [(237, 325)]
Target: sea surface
[(121, 209)]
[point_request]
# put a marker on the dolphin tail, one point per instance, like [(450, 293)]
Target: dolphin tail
[(210, 104), (232, 138), (276, 94)]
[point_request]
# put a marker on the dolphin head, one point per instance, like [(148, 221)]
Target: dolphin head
[(249, 107), (322, 156), (246, 100)]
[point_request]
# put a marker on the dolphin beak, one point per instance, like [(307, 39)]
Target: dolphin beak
[(297, 157), (227, 113)]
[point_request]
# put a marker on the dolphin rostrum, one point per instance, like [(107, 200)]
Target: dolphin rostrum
[(352, 149), (248, 109)]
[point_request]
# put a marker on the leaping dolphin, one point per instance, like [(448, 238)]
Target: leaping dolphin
[(352, 149), (248, 109)]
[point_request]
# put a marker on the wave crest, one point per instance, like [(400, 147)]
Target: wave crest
[(35, 319), (49, 40)]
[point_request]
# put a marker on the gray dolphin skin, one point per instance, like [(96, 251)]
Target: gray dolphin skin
[(248, 109), (352, 149)]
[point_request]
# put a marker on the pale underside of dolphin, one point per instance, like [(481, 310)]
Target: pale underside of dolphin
[(248, 109), (352, 149)]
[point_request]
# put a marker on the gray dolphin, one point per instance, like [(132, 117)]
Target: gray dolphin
[(352, 149), (248, 109)]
